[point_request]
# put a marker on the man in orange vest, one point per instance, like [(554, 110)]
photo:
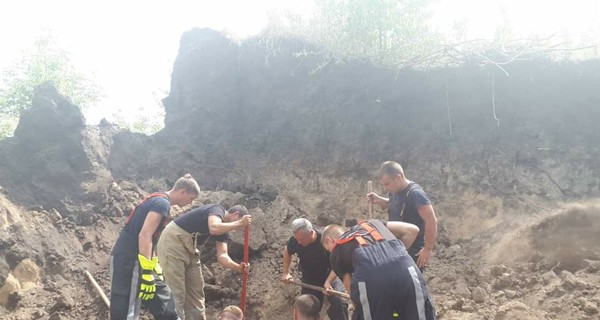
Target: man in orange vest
[(382, 279)]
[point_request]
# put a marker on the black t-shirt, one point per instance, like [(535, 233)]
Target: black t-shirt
[(314, 259), (341, 256), (403, 207), (196, 221)]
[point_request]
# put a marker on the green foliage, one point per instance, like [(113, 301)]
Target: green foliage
[(45, 62), (145, 121), (7, 126), (386, 32)]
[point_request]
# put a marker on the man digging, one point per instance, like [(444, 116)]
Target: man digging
[(315, 267)]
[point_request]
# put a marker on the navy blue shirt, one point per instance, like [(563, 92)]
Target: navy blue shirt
[(196, 221), (403, 207), (128, 239), (157, 204)]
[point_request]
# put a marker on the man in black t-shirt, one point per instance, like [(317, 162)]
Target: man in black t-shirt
[(315, 267), (383, 281), (177, 249), (408, 202)]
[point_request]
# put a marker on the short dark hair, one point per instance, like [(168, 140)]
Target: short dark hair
[(333, 231), (239, 208), (391, 169), (308, 306)]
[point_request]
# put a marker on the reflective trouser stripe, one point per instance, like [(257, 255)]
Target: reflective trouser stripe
[(418, 293), (364, 300), (134, 304), (133, 313)]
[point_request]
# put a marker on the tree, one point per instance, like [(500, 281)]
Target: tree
[(386, 32), (45, 62), (146, 122)]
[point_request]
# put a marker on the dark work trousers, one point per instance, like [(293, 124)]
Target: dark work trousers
[(385, 281), (125, 283), (412, 251), (338, 306)]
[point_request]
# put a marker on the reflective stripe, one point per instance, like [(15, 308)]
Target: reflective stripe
[(133, 312), (412, 186), (364, 300), (418, 293), (111, 269)]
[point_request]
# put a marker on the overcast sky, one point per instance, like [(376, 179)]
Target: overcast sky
[(130, 45)]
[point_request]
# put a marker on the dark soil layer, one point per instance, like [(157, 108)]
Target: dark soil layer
[(290, 136)]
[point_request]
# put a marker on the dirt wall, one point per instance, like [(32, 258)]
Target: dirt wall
[(289, 134)]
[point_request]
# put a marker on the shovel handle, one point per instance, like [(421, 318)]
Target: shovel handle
[(316, 288), (244, 274), (98, 289), (369, 190)]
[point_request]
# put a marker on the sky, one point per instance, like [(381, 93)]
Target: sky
[(129, 46)]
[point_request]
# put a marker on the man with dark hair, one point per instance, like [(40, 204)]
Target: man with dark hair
[(134, 270), (315, 267), (307, 307), (177, 249), (408, 202), (382, 279)]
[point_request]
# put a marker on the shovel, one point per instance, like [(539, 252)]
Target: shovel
[(98, 289), (320, 289), (369, 190)]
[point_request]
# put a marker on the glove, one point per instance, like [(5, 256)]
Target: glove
[(148, 283), (158, 270)]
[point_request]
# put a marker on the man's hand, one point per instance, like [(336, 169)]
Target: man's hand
[(148, 283), (158, 270), (327, 286), (244, 268), (286, 278), (245, 221), (373, 197), (423, 257)]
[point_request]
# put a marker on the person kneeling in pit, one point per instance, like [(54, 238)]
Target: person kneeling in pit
[(307, 307), (177, 251), (231, 313)]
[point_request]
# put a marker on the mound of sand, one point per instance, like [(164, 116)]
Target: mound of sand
[(564, 239)]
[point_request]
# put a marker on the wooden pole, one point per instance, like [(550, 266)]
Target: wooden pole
[(310, 286), (244, 274), (95, 284), (369, 190)]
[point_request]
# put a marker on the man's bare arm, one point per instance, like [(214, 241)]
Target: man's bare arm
[(151, 222), (224, 259), (428, 215), (405, 232), (216, 226), (287, 260)]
